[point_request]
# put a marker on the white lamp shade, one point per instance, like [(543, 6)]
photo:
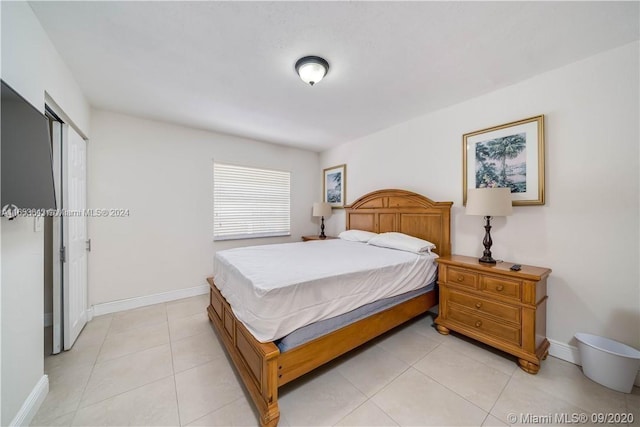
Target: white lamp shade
[(312, 69), (321, 209), (312, 73), (489, 201)]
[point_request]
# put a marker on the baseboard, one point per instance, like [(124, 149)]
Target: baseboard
[(564, 351), (32, 403), (48, 320), (571, 354), (129, 303)]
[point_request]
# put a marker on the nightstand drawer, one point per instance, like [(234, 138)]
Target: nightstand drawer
[(462, 277), (485, 326), (503, 311), (501, 287)]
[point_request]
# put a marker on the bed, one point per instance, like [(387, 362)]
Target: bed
[(263, 367)]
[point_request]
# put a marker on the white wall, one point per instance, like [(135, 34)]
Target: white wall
[(22, 314), (31, 65), (163, 174), (588, 230)]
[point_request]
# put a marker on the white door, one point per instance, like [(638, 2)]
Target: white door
[(74, 229)]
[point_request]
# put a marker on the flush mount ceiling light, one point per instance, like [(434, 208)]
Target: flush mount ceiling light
[(312, 69)]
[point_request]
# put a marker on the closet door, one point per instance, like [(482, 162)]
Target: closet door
[(74, 199)]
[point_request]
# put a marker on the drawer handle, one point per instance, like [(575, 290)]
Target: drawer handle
[(460, 278), (478, 323), (499, 288), (478, 304)]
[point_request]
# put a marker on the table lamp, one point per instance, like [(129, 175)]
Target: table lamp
[(488, 202), (321, 210)]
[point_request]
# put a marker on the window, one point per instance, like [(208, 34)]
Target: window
[(250, 202)]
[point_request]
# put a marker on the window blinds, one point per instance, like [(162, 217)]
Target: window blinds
[(250, 202)]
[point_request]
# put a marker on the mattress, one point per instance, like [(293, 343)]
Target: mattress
[(323, 327), (275, 289)]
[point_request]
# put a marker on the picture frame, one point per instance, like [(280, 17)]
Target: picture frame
[(511, 155), (334, 184)]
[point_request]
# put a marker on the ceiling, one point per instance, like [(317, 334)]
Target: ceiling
[(229, 66)]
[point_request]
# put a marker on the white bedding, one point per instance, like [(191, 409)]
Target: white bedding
[(276, 289)]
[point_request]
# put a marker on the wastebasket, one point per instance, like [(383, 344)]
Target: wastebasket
[(608, 362)]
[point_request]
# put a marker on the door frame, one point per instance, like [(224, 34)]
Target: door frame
[(56, 157)]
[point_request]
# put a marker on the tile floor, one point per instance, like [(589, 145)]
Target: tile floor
[(163, 365)]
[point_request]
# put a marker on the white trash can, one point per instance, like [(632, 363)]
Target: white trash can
[(608, 362)]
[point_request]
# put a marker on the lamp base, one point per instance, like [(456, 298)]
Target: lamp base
[(487, 242), (322, 235)]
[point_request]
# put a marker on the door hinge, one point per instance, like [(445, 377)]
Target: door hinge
[(63, 254), (88, 245)]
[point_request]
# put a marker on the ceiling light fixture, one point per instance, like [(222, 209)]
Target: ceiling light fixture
[(312, 69)]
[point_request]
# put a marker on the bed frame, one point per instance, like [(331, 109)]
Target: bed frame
[(261, 365)]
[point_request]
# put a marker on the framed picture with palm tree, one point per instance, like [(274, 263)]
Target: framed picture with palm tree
[(509, 155)]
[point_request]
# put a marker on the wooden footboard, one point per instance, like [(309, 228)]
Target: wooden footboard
[(263, 368), (257, 363)]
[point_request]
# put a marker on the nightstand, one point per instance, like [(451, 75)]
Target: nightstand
[(502, 308), (307, 238)]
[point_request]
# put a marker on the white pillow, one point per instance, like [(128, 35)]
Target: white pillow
[(402, 242), (357, 235)]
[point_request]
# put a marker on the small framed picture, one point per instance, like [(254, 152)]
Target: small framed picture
[(509, 155), (334, 183)]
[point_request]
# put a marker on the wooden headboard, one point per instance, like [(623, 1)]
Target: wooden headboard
[(405, 212)]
